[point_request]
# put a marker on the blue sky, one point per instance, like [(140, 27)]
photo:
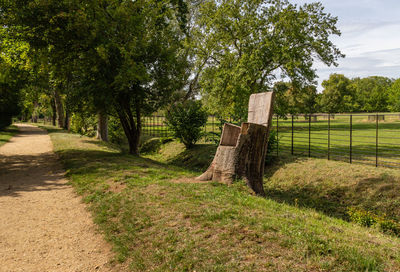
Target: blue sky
[(370, 37)]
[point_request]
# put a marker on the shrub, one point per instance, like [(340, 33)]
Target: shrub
[(272, 143), (369, 219), (84, 123), (116, 133), (186, 121)]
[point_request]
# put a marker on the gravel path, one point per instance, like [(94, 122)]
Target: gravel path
[(43, 224)]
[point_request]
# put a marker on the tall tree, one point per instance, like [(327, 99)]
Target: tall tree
[(253, 42), (394, 96), (336, 92), (371, 93)]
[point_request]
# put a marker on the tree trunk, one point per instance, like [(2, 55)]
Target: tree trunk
[(54, 112), (59, 108), (243, 157), (67, 122), (131, 127), (34, 114), (102, 127), (242, 150)]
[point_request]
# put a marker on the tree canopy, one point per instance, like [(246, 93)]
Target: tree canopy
[(127, 59), (249, 44)]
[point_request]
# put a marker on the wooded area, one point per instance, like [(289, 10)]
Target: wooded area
[(102, 65), (74, 59)]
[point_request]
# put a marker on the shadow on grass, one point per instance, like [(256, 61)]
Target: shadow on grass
[(197, 158), (106, 144), (98, 162)]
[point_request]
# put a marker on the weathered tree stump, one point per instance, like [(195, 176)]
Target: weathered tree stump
[(242, 150)]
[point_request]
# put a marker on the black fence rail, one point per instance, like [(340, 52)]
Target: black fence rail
[(372, 139)]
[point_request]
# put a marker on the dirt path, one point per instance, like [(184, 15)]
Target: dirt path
[(43, 224)]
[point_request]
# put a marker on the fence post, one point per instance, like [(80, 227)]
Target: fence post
[(351, 138), (277, 135), (292, 132), (329, 136), (309, 135), (377, 140)]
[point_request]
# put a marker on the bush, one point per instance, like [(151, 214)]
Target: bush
[(116, 133), (369, 219), (84, 124), (272, 143), (186, 121)]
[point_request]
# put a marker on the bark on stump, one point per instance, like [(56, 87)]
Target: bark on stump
[(242, 150)]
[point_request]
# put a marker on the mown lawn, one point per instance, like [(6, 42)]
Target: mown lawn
[(158, 219), (7, 134), (321, 137)]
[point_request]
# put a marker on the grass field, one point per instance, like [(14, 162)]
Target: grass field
[(363, 143), (7, 134), (158, 219)]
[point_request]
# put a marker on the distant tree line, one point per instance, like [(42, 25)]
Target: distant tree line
[(340, 95)]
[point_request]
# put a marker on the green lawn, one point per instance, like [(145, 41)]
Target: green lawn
[(158, 219), (7, 134), (364, 146)]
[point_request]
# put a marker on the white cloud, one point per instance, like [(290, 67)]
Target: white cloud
[(370, 38)]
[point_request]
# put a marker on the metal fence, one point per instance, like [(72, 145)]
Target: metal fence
[(372, 139)]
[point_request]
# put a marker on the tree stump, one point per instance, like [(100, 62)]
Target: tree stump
[(242, 150)]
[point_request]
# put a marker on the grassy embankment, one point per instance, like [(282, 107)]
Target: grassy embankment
[(158, 219), (7, 134)]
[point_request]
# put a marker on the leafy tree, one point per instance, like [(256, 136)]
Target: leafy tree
[(186, 121), (371, 93), (394, 96), (252, 42), (336, 96), (124, 57), (294, 99), (14, 67)]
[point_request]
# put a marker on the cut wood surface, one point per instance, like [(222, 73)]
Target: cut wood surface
[(242, 150), (44, 226)]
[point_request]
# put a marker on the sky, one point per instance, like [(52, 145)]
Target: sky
[(370, 38)]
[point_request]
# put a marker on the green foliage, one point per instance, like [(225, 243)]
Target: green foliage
[(248, 43), (186, 121), (152, 145), (84, 123), (336, 96), (371, 93), (291, 98), (115, 131), (394, 96), (272, 144), (370, 219)]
